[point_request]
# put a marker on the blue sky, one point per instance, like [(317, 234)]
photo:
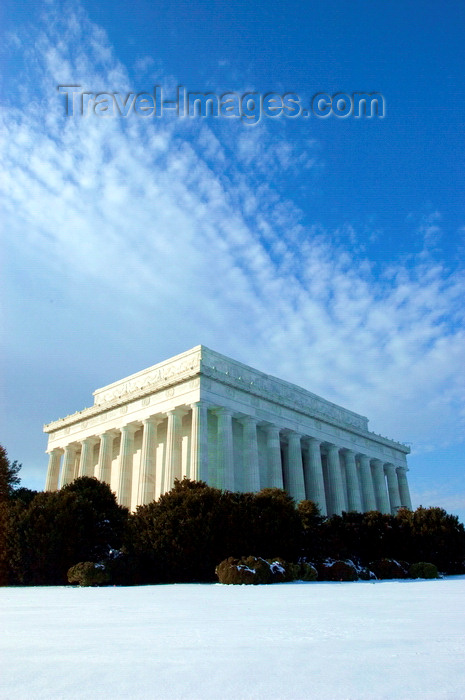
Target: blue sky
[(329, 252)]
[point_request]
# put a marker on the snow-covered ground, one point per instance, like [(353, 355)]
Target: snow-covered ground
[(391, 639)]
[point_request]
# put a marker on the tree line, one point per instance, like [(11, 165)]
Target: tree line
[(185, 535)]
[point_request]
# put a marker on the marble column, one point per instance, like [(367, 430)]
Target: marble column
[(105, 457), (366, 479), (313, 475), (53, 471), (273, 453), (225, 460), (124, 491), (86, 468), (199, 442), (354, 501), (251, 480), (173, 455), (336, 486), (294, 469), (393, 487), (69, 461), (379, 483), (404, 492), (146, 488)]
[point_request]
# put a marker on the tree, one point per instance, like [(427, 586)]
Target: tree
[(184, 535), (433, 535), (311, 520), (45, 537), (9, 478), (273, 525)]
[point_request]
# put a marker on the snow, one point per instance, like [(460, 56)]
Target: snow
[(383, 639)]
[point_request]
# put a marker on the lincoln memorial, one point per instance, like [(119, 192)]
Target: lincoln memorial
[(205, 416)]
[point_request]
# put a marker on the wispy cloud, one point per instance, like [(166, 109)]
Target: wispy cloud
[(151, 237)]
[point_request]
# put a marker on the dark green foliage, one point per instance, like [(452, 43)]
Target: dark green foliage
[(255, 570), (361, 536), (87, 573), (9, 478), (389, 568), (82, 522), (24, 495), (183, 535), (432, 535), (423, 569), (9, 481), (311, 535), (306, 572), (337, 571), (273, 524)]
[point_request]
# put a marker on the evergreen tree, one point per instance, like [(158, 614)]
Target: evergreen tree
[(81, 522), (9, 478), (273, 525), (433, 535), (184, 535), (311, 520)]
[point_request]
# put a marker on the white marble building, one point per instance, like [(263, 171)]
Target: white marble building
[(205, 416)]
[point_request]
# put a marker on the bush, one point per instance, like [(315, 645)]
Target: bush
[(337, 571), (87, 573), (255, 570), (306, 572), (423, 569), (365, 574), (389, 568)]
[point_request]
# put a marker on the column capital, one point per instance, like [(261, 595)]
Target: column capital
[(91, 440), (152, 420), (377, 462), (223, 411), (247, 420), (71, 446), (55, 451), (201, 403), (112, 432), (129, 428), (348, 451), (294, 435), (179, 411)]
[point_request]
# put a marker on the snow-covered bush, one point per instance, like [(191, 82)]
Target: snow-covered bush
[(87, 573), (255, 570), (423, 569), (389, 568), (306, 572), (337, 571), (365, 574)]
